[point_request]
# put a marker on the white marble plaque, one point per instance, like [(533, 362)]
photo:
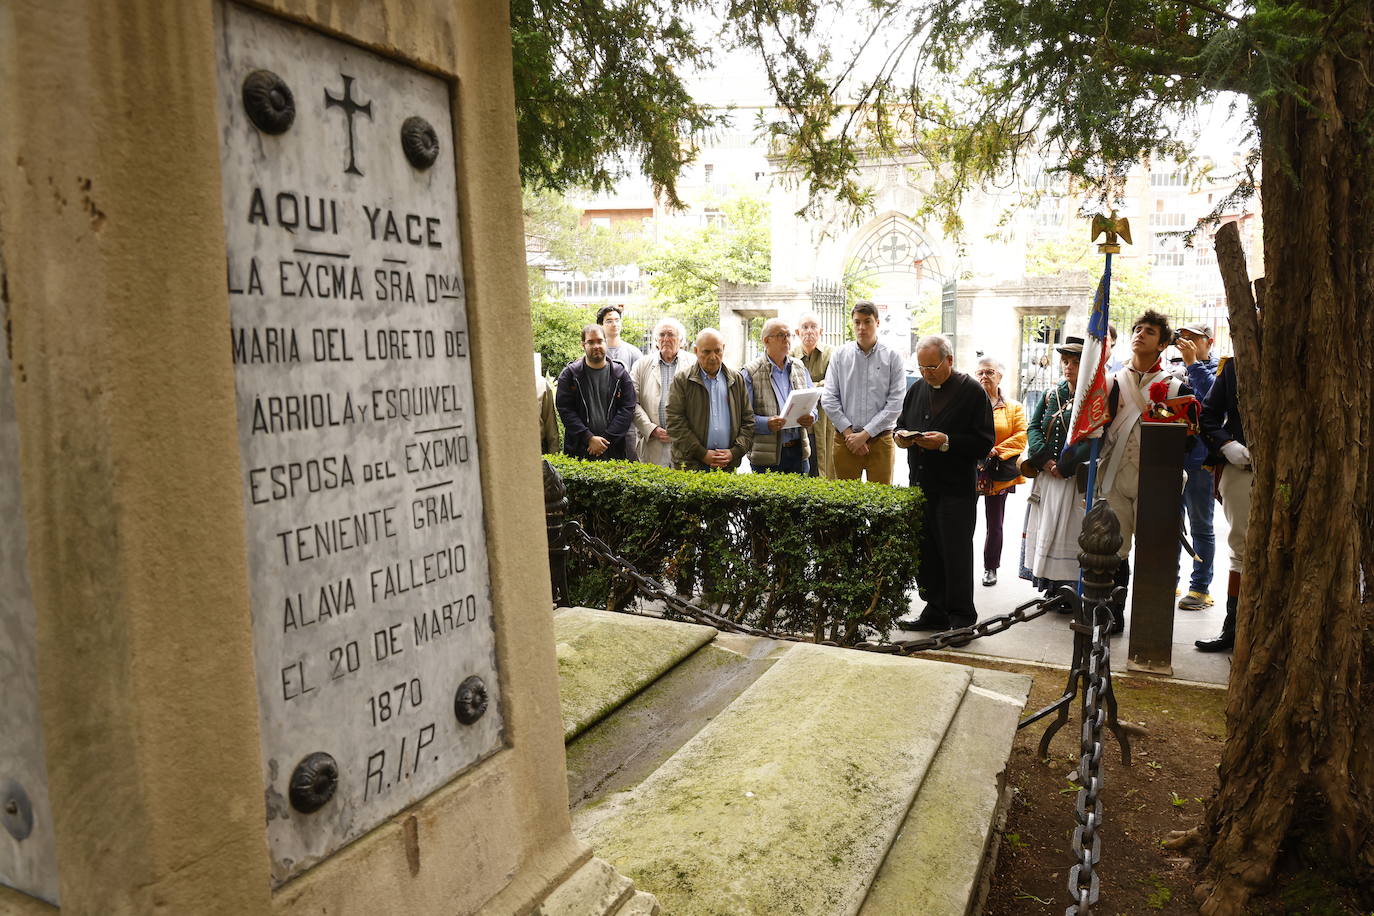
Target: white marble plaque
[(28, 847), (366, 549)]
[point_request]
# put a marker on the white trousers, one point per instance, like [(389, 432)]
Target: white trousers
[(1235, 502)]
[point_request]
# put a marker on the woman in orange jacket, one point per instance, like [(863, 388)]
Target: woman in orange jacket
[(996, 476)]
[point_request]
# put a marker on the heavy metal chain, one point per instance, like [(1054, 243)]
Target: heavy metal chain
[(947, 639), (1087, 840)]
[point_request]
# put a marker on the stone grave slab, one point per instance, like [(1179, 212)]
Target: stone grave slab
[(28, 847), (372, 618), (790, 798), (604, 658)]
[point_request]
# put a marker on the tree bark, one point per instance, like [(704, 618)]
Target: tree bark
[(1300, 711)]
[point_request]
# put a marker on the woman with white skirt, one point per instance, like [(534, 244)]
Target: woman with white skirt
[(1054, 518)]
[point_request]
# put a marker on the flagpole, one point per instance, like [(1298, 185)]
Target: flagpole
[(1096, 447)]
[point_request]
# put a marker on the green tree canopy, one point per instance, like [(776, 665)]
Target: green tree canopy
[(598, 90), (689, 266), (979, 88)]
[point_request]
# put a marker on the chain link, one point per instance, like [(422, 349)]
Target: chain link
[(1084, 883)]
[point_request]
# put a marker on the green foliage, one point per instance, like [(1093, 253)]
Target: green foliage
[(553, 227), (554, 233), (599, 85), (558, 331), (687, 269), (826, 558), (974, 87), (1133, 290)]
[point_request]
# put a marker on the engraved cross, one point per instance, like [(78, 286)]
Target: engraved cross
[(350, 107)]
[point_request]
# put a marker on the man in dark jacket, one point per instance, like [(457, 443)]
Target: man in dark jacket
[(596, 401), (947, 417)]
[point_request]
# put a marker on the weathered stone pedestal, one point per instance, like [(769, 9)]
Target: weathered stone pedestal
[(267, 647)]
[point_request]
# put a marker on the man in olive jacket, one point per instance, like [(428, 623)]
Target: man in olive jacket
[(710, 422)]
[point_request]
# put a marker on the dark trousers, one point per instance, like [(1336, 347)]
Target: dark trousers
[(994, 509), (813, 467), (946, 573), (790, 461)]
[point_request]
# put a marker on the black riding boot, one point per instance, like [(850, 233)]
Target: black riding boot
[(1227, 639)]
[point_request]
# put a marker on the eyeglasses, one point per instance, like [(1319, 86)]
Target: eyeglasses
[(929, 368)]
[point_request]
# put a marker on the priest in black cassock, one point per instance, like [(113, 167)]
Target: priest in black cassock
[(946, 427)]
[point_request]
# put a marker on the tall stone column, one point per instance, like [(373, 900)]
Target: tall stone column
[(262, 269)]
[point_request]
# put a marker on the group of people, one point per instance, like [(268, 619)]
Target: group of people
[(687, 409), (1217, 465), (963, 439)]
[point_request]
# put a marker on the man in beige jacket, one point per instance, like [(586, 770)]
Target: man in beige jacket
[(653, 376)]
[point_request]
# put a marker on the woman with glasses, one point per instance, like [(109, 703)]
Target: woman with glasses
[(997, 474)]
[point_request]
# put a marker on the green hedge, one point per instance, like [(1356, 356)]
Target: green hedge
[(829, 558)]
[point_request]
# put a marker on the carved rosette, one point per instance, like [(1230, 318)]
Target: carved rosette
[(420, 142), (269, 102), (313, 782), (470, 702)]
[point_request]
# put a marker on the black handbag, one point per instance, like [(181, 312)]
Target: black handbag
[(1000, 470)]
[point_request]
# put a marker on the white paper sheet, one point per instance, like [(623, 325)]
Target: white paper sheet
[(800, 402)]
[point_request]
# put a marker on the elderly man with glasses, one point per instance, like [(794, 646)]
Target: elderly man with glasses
[(946, 425), (653, 378), (770, 379)]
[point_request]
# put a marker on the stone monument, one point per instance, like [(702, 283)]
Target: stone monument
[(274, 632)]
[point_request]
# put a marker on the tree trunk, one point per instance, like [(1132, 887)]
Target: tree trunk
[(1300, 713)]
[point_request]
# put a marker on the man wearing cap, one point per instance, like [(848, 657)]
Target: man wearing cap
[(1194, 344)]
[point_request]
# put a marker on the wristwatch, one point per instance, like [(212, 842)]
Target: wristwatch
[(944, 446)]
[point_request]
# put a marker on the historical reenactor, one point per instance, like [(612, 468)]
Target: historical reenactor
[(815, 356), (770, 379), (710, 422), (946, 426), (1133, 389), (863, 395), (596, 401), (1054, 518), (1223, 433)]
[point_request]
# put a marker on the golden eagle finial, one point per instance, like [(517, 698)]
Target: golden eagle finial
[(1113, 226)]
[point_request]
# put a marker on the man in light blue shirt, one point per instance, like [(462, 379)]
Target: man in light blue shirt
[(863, 395), (770, 380)]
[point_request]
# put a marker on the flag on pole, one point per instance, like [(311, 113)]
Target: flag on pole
[(1090, 397)]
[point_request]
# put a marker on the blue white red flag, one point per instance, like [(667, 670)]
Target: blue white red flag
[(1090, 398)]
